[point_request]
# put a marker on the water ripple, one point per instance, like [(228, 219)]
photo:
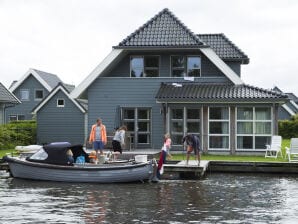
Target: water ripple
[(220, 198)]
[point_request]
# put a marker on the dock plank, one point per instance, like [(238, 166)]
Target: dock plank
[(190, 169)]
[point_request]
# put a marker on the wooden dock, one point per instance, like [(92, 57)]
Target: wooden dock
[(183, 170)]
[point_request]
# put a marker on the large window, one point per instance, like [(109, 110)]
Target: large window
[(24, 94), (219, 128), (186, 66), (254, 127), (38, 94), (184, 121), (144, 66)]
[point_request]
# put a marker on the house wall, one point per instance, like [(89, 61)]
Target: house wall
[(25, 108), (56, 124), (283, 114), (106, 95), (208, 68), (235, 66)]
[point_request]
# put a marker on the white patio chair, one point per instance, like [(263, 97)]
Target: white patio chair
[(274, 148), (292, 152)]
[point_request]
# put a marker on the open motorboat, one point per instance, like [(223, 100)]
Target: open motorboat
[(51, 163)]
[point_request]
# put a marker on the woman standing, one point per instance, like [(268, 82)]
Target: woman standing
[(119, 141)]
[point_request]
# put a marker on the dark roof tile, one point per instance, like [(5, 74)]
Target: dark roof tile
[(163, 30), (51, 79), (223, 47), (215, 92), (6, 96)]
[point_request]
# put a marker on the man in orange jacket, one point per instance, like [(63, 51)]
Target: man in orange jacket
[(98, 136)]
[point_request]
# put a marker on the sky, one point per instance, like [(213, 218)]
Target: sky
[(71, 37)]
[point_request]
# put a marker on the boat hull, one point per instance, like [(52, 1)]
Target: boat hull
[(83, 174)]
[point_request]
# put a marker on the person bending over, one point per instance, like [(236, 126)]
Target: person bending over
[(193, 144)]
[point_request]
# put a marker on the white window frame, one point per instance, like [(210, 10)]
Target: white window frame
[(135, 120), (224, 135), (63, 102), (185, 65), (38, 99), (254, 121), (17, 117), (21, 90), (143, 57)]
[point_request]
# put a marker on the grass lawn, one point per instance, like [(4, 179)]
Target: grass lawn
[(4, 151), (285, 142)]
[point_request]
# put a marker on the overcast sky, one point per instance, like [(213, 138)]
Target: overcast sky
[(71, 37)]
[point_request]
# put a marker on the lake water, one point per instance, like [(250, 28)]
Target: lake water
[(219, 198)]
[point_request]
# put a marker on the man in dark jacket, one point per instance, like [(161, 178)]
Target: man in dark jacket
[(193, 144)]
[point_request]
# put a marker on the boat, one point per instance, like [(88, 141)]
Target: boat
[(28, 149), (51, 163)]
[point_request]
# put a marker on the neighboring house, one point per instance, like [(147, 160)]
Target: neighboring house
[(61, 118), (7, 99), (164, 78), (34, 86), (290, 108)]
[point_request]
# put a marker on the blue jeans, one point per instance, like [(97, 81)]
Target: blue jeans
[(98, 145)]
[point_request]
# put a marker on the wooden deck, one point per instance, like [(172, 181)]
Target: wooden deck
[(183, 170)]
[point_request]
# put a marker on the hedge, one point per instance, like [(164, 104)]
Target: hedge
[(17, 133), (288, 128)]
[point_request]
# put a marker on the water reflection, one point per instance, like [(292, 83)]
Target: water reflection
[(220, 198)]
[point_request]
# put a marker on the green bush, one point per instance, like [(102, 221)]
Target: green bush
[(17, 133), (288, 128)]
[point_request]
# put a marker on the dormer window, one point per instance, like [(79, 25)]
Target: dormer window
[(38, 94), (186, 66), (60, 103), (144, 66)]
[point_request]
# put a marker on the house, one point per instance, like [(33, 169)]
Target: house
[(30, 90), (290, 108), (60, 117), (7, 99), (164, 78)]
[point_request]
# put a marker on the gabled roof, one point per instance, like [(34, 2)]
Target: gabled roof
[(69, 87), (48, 80), (293, 97), (6, 96), (288, 109), (163, 30), (223, 47), (83, 106), (208, 92), (276, 89), (293, 100), (107, 61), (163, 26)]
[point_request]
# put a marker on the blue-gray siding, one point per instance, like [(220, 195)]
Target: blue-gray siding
[(122, 68), (60, 123), (25, 108), (283, 114), (105, 95)]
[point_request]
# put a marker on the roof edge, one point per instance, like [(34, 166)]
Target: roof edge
[(31, 71), (61, 87)]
